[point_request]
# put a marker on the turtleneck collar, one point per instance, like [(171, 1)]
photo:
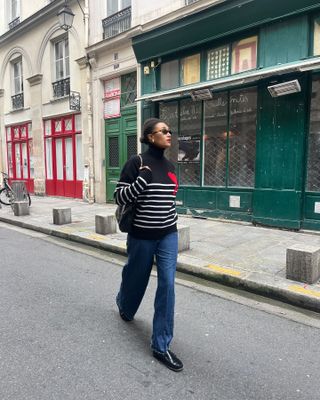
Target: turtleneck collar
[(155, 151)]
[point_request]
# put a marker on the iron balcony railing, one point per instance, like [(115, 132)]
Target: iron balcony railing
[(17, 101), (14, 23), (117, 23), (61, 88)]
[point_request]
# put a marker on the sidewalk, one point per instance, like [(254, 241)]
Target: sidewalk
[(232, 253)]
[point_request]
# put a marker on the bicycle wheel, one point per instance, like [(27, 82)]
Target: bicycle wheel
[(6, 197)]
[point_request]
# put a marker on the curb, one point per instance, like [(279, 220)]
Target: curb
[(292, 292)]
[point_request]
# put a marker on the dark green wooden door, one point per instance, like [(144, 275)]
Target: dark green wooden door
[(121, 144), (277, 199)]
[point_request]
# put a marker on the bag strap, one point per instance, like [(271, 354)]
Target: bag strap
[(141, 162)]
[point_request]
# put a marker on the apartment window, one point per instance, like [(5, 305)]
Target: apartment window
[(113, 6), (17, 85), (14, 13), (61, 86), (61, 59)]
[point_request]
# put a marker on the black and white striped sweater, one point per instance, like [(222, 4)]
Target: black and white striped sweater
[(155, 192)]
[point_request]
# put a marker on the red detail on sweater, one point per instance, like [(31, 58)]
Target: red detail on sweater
[(174, 179)]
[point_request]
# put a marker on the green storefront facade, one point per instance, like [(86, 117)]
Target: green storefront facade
[(239, 85)]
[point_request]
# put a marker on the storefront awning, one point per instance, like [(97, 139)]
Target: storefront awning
[(235, 80)]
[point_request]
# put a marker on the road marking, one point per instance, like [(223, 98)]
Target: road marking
[(223, 270), (297, 288)]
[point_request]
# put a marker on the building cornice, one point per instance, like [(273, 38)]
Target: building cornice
[(33, 21)]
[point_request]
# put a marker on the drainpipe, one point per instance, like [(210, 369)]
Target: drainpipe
[(91, 196)]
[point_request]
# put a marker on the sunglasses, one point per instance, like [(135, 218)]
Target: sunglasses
[(164, 131)]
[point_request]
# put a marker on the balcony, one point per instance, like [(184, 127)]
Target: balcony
[(17, 101), (61, 88), (117, 23), (14, 23)]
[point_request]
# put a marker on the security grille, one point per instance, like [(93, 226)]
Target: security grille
[(131, 146), (215, 162), (113, 152), (189, 174)]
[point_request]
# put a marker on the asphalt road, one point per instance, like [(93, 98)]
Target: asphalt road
[(61, 337)]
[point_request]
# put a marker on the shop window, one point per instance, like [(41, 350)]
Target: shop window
[(168, 112), (218, 62), (316, 37), (169, 75), (313, 176), (215, 140), (190, 69), (189, 142), (242, 137), (230, 138), (244, 55)]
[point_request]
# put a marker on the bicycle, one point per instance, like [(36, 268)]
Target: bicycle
[(8, 196)]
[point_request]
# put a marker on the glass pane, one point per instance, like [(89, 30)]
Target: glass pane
[(8, 130), (189, 142), (78, 122), (218, 62), (49, 158), (313, 179), (18, 160), (57, 126), (59, 70), (113, 152), (24, 161), (23, 131), (129, 89), (190, 68), (316, 38), (168, 112), (59, 159), (112, 7), (170, 75), (242, 137), (68, 124), (244, 55), (47, 127), (31, 159), (79, 161), (10, 164), (126, 3), (215, 140), (16, 132), (69, 159)]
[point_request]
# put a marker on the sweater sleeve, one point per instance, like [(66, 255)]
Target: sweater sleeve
[(132, 182)]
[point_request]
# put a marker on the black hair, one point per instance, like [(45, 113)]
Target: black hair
[(148, 127)]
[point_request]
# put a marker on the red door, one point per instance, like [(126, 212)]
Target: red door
[(63, 158), (19, 152)]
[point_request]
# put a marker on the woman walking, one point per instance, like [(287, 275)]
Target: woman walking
[(154, 185)]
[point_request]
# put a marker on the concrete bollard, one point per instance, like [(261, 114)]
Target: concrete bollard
[(21, 208), (184, 238), (106, 224), (61, 216), (303, 263)]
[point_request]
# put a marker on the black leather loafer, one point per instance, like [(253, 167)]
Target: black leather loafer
[(169, 359)]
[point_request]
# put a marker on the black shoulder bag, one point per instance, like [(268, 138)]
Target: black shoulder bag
[(125, 213)]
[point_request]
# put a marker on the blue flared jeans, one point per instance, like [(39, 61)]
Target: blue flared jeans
[(135, 278)]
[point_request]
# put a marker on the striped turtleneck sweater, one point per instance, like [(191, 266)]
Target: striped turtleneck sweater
[(154, 191)]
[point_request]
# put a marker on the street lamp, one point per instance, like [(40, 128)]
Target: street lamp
[(65, 17)]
